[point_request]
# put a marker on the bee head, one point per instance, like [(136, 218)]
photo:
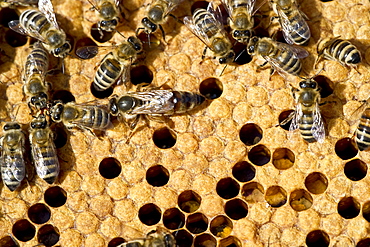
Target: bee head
[(62, 51), (11, 126), (39, 122), (136, 43), (251, 48), (149, 26), (125, 103), (308, 84), (229, 58), (56, 111), (39, 100), (108, 26), (242, 35)]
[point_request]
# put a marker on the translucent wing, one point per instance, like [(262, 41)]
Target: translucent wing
[(172, 4), (318, 130), (33, 62), (15, 26), (45, 159), (299, 52), (231, 5), (157, 102), (46, 7), (87, 52), (296, 118), (117, 2), (13, 165)]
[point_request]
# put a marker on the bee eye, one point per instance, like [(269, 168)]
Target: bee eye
[(222, 60), (303, 84), (114, 22), (313, 84)]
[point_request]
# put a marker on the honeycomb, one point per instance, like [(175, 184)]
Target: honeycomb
[(224, 175)]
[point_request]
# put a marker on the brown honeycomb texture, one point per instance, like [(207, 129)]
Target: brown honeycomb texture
[(226, 174)]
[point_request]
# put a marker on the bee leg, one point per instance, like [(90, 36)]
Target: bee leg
[(177, 19), (163, 33), (204, 54), (287, 119)]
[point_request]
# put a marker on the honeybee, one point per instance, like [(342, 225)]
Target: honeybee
[(13, 3), (109, 13), (282, 57), (115, 65), (83, 116), (240, 20), (13, 168), (155, 238), (307, 116), (43, 150), (42, 25), (157, 14), (154, 103), (339, 50), (35, 70), (206, 25), (292, 21)]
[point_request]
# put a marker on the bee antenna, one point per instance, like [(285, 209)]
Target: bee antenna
[(223, 70), (93, 5), (137, 31), (120, 33)]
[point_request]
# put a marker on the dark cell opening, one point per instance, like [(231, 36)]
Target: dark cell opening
[(317, 238), (55, 196), (84, 53), (197, 223), (300, 200), (241, 54), (259, 155), (48, 235), (150, 214), (150, 42), (205, 240), (366, 211), (236, 209), (211, 88), (199, 5), (23, 230), (115, 242), (282, 119), (283, 158), (363, 243), (253, 192), (164, 138), (64, 95), (100, 36), (348, 207), (39, 213), (183, 238), (227, 188), (157, 176), (324, 1), (15, 39), (355, 169), (346, 148), (243, 171), (279, 37), (276, 196), (8, 241), (7, 15), (325, 84), (141, 75), (101, 94), (316, 183), (110, 168), (60, 135), (173, 218), (221, 226), (250, 134), (189, 201)]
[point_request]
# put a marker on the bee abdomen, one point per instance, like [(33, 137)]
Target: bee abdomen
[(345, 52), (99, 119), (305, 128), (205, 22), (300, 31), (363, 131), (34, 21), (186, 101), (48, 167), (289, 63), (107, 74), (14, 174)]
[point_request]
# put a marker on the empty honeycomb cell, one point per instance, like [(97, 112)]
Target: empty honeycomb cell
[(250, 134), (300, 200), (60, 135), (221, 226), (346, 148), (230, 242), (39, 213), (63, 95), (101, 94), (23, 230), (150, 42), (141, 75), (241, 54), (253, 192), (325, 84), (157, 176), (211, 88), (355, 169), (164, 138), (115, 242), (259, 155), (283, 158), (227, 188), (317, 238), (276, 196), (173, 218), (55, 196), (363, 242), (109, 168), (348, 207), (7, 15), (8, 241), (205, 239), (189, 201), (15, 39), (100, 36), (282, 118), (86, 41), (366, 211), (199, 5), (243, 171), (48, 235), (150, 214), (236, 209), (316, 183), (183, 238), (197, 223)]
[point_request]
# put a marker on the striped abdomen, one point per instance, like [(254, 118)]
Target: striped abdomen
[(185, 101), (363, 131), (94, 118), (35, 21), (305, 127), (37, 61), (206, 22), (108, 73), (300, 32), (344, 52), (287, 61)]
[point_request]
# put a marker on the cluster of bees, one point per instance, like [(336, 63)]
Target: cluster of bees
[(207, 25)]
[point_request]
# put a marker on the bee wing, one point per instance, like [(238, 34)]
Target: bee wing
[(14, 167), (297, 115), (318, 130), (299, 52), (15, 26), (40, 158), (117, 2), (87, 52), (172, 4), (274, 63), (46, 7), (159, 102), (36, 66)]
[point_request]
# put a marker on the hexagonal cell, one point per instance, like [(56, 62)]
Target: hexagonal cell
[(283, 116), (150, 42), (61, 136), (325, 84), (197, 223), (236, 209), (63, 95), (110, 168), (300, 200), (8, 241), (199, 5), (189, 201), (276, 196), (227, 188), (55, 196), (183, 238), (157, 176), (173, 218), (23, 230), (253, 192), (100, 36), (150, 214), (345, 148), (243, 171), (230, 242), (15, 39), (355, 169), (141, 75), (348, 207), (39, 213), (363, 243), (205, 239), (250, 134), (283, 158), (221, 226), (116, 241), (316, 183), (259, 155), (48, 235), (164, 138), (366, 211), (7, 15), (317, 238), (211, 88)]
